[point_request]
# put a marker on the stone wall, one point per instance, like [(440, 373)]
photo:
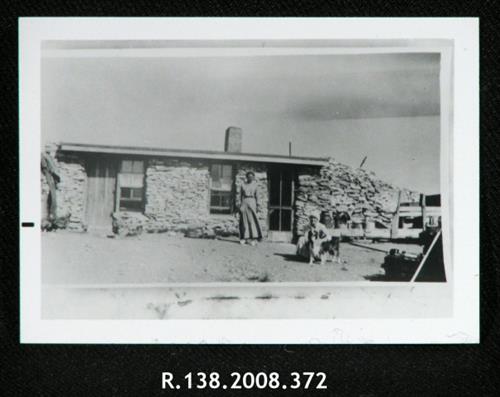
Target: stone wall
[(178, 195), (338, 188), (45, 196), (71, 191)]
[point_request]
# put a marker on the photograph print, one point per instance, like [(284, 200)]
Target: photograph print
[(208, 164)]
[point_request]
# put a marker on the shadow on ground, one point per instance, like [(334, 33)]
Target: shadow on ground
[(384, 277), (290, 257), (377, 277)]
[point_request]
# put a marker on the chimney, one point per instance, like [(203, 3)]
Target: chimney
[(233, 139)]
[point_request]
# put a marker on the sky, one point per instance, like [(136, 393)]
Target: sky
[(383, 106)]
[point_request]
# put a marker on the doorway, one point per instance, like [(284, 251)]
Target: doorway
[(101, 189), (281, 200)]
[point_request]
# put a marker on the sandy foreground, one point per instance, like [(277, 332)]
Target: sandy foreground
[(73, 258)]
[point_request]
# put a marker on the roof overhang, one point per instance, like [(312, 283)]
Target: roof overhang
[(191, 154)]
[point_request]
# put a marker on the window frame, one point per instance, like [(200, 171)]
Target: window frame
[(221, 210), (130, 198)]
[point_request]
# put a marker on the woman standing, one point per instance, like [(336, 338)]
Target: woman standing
[(250, 230)]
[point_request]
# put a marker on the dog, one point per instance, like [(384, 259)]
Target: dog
[(322, 246)]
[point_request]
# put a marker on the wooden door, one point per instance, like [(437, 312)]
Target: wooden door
[(281, 201), (101, 189)]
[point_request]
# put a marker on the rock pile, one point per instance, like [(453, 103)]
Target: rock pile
[(128, 223), (71, 191), (338, 188)]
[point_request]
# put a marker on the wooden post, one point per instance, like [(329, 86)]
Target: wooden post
[(117, 189), (290, 148), (424, 212), (424, 259), (395, 219)]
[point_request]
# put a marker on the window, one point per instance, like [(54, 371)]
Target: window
[(131, 186), (221, 177), (410, 222), (132, 167)]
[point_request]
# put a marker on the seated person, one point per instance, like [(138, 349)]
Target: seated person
[(313, 229), (327, 220)]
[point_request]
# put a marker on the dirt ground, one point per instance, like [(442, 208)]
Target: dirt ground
[(73, 258)]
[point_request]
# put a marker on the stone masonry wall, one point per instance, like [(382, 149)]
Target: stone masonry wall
[(45, 194), (176, 194), (338, 188), (71, 191), (177, 198)]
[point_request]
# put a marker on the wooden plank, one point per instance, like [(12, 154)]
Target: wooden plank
[(292, 200), (101, 192), (424, 212), (421, 265), (281, 198), (395, 219)]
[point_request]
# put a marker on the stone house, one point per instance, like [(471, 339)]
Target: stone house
[(133, 189)]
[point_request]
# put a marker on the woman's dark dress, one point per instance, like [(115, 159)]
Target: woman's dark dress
[(249, 223)]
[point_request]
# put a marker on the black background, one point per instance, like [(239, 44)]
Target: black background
[(352, 370)]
